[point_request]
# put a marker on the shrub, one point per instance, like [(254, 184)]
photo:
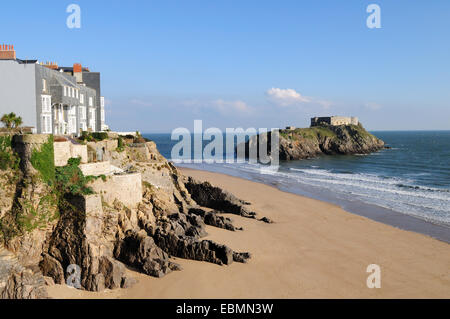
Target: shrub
[(99, 136), (70, 179), (120, 145)]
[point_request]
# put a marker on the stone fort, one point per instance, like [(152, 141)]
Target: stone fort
[(334, 120)]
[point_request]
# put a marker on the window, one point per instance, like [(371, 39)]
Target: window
[(92, 119), (76, 93), (44, 85), (46, 103), (65, 91), (90, 101), (72, 111), (46, 124), (92, 115), (73, 92), (82, 98), (82, 112), (72, 124)]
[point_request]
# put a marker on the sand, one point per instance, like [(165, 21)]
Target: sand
[(314, 250)]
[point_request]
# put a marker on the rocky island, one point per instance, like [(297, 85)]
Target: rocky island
[(324, 138)]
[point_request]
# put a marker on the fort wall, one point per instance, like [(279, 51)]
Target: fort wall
[(67, 150), (124, 188), (334, 120)]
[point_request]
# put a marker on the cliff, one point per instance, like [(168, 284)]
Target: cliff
[(304, 143), (55, 227)]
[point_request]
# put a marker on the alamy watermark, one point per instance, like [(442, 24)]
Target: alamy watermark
[(374, 279), (235, 145), (374, 19), (74, 276), (74, 19)]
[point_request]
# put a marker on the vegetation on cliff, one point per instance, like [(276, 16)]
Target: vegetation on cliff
[(69, 179), (8, 159), (51, 224), (43, 161)]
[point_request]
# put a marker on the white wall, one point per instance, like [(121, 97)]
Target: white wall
[(18, 90)]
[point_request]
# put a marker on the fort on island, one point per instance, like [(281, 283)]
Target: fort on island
[(334, 120)]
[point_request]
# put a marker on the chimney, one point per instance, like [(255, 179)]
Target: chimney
[(78, 72), (7, 52), (52, 65)]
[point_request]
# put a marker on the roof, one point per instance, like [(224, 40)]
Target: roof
[(20, 61), (70, 69)]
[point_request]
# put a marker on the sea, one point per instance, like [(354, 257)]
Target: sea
[(406, 185)]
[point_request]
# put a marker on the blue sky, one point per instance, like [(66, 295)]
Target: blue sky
[(249, 63)]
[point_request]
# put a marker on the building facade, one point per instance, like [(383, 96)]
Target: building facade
[(334, 120), (51, 99)]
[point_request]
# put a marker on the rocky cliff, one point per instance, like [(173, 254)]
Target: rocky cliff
[(55, 229), (311, 142)]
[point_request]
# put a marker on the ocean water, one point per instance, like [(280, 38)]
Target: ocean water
[(412, 178)]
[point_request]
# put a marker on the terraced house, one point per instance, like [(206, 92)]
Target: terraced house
[(49, 98)]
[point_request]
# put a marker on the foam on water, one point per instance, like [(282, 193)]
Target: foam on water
[(411, 178)]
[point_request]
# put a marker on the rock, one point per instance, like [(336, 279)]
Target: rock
[(175, 267), (113, 272), (140, 251), (213, 219), (52, 268), (99, 239), (96, 283), (323, 140), (266, 220), (49, 281), (191, 248), (24, 285), (128, 282), (213, 197), (241, 257)]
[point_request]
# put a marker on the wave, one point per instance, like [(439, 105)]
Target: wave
[(351, 176), (366, 186), (376, 179), (396, 193)]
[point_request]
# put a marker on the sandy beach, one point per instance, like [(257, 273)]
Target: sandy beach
[(314, 250)]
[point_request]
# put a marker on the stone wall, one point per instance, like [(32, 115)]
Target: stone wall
[(334, 120), (102, 150), (24, 145), (67, 150), (125, 188), (96, 169)]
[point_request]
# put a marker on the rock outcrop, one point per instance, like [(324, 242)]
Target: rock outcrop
[(311, 142), (91, 241), (213, 197)]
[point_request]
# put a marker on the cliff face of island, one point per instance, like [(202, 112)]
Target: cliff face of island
[(58, 225), (304, 143)]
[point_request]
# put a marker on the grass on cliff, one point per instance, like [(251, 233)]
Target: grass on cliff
[(61, 182), (8, 159), (308, 133), (324, 131), (44, 161)]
